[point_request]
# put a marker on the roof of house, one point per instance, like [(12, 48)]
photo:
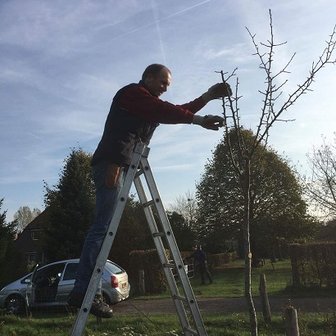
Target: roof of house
[(24, 241)]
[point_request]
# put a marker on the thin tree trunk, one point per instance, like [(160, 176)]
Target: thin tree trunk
[(142, 287), (248, 253)]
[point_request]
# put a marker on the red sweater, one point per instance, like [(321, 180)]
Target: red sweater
[(138, 101), (133, 117)]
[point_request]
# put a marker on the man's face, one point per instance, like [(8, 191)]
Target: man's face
[(158, 84)]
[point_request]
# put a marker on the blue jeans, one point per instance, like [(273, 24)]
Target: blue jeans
[(106, 199)]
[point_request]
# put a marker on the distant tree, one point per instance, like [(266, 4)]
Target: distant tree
[(6, 232), (24, 216), (133, 233), (71, 209), (321, 185), (184, 234), (71, 206), (278, 210), (7, 235), (327, 232), (186, 206)]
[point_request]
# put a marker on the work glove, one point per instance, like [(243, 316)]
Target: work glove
[(209, 121), (219, 90)]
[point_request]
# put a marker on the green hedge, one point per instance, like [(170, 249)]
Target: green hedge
[(220, 259), (147, 260), (155, 281), (314, 264)]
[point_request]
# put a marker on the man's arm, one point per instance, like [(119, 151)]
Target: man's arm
[(138, 101)]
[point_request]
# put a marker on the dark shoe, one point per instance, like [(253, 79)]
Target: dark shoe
[(98, 308), (101, 309)]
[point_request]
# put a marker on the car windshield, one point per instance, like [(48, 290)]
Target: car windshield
[(26, 280), (113, 268)]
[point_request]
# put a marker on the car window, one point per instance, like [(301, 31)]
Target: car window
[(26, 280), (70, 271), (113, 268), (52, 273)]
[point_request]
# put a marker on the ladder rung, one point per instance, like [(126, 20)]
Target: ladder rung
[(191, 330), (168, 265), (179, 297), (148, 204), (158, 234), (139, 173)]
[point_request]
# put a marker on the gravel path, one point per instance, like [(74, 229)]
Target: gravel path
[(226, 305)]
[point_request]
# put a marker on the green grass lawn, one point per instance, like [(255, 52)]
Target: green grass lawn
[(229, 281), (160, 325)]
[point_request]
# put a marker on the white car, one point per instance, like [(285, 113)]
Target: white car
[(53, 283)]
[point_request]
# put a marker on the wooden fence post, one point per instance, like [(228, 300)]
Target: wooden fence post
[(291, 320), (266, 309), (142, 287)]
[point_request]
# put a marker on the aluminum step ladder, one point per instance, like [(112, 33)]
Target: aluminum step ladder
[(184, 298)]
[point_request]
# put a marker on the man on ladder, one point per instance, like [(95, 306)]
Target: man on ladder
[(135, 113)]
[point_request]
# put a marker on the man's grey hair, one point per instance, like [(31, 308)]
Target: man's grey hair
[(153, 69)]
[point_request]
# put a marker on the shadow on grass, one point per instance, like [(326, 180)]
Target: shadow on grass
[(303, 292)]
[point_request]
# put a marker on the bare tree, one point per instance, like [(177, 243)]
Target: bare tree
[(271, 111), (321, 185), (24, 216), (186, 206)]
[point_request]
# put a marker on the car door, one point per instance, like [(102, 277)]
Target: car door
[(67, 281), (30, 290), (43, 290)]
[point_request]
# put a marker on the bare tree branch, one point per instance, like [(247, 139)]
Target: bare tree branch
[(321, 186), (269, 115)]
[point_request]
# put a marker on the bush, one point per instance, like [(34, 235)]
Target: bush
[(147, 260), (220, 259), (314, 264)]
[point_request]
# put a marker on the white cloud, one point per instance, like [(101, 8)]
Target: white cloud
[(235, 53)]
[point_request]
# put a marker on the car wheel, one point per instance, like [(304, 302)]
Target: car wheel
[(15, 304)]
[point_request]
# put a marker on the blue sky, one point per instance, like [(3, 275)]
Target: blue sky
[(62, 61)]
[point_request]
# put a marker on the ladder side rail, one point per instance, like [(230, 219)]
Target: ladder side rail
[(82, 316), (151, 221), (162, 255), (164, 220), (193, 306)]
